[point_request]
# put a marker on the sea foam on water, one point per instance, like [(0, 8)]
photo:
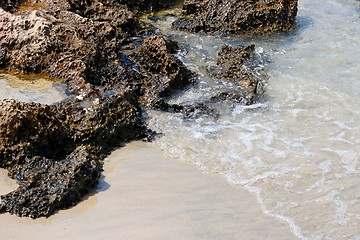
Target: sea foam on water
[(297, 149)]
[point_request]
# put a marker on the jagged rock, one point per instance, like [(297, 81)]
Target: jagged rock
[(232, 67), (29, 129), (2, 56), (165, 73), (9, 5), (143, 6), (66, 46), (244, 17), (55, 151), (47, 185)]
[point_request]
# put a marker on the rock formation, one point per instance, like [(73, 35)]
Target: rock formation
[(244, 17), (112, 64), (233, 67), (55, 152)]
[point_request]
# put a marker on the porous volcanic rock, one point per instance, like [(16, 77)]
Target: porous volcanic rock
[(244, 17), (233, 67), (165, 73), (67, 46), (55, 152), (47, 185), (111, 63)]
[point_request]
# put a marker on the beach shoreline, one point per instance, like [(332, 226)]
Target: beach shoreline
[(143, 195)]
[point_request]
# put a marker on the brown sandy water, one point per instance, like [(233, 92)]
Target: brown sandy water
[(144, 195)]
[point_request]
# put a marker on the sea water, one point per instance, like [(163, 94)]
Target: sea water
[(298, 149)]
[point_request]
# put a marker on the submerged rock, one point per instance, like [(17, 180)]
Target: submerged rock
[(244, 17)]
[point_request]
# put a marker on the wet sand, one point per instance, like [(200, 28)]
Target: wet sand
[(143, 195)]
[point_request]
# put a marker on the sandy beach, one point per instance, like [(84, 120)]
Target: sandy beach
[(144, 195)]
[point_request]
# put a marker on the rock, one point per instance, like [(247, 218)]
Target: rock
[(81, 43), (55, 152), (2, 56), (243, 17), (111, 62), (143, 6), (9, 5), (165, 73), (47, 185), (65, 46), (233, 67), (29, 129)]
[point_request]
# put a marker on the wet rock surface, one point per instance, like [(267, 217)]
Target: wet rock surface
[(234, 67), (244, 17), (165, 73), (113, 65)]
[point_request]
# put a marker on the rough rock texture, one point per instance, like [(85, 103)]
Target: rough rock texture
[(233, 63), (10, 4), (110, 62), (245, 16), (55, 151), (66, 46), (47, 185), (165, 73)]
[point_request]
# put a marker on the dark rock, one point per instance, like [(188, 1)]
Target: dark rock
[(29, 129), (75, 49), (244, 17), (55, 152), (105, 56), (2, 56), (143, 6), (165, 73), (9, 5), (47, 185), (233, 68)]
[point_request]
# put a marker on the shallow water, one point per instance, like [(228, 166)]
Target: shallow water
[(297, 150), (40, 90)]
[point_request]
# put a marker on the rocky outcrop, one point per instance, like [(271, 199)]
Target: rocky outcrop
[(47, 185), (165, 73), (234, 67), (112, 64), (244, 17), (66, 46), (55, 152)]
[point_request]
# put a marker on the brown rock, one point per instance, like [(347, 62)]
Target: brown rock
[(165, 73), (55, 152), (244, 17), (233, 67)]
